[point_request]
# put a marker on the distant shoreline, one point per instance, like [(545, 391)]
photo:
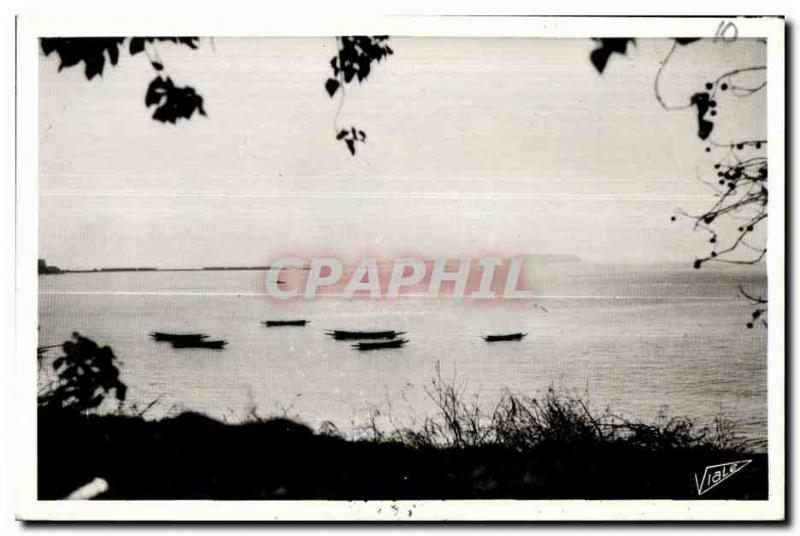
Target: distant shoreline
[(145, 269), (56, 271), (45, 269)]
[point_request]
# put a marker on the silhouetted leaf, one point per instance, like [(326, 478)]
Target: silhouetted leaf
[(48, 45), (686, 40), (156, 91), (113, 54), (89, 50), (157, 66), (136, 45), (704, 126), (331, 85), (351, 146), (356, 55), (172, 102), (190, 42), (607, 46), (94, 66)]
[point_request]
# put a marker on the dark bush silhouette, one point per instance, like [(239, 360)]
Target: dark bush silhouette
[(551, 448), (521, 423), (87, 374)]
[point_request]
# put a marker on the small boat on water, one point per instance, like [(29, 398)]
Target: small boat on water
[(365, 346), (280, 323), (507, 337), (341, 335), (171, 337), (198, 343)]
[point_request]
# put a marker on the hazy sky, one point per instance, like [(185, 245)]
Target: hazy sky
[(476, 147)]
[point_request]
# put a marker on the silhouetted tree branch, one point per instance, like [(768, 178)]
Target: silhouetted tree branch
[(353, 61), (171, 102), (759, 312), (741, 170)]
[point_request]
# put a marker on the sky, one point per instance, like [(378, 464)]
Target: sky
[(476, 148)]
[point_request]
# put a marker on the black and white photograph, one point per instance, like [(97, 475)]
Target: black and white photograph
[(404, 266)]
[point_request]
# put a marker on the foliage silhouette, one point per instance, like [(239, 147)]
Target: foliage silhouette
[(354, 60), (350, 138), (557, 418), (137, 44), (89, 50), (87, 374), (606, 47), (547, 448), (172, 102), (704, 126), (741, 170), (740, 174), (355, 57)]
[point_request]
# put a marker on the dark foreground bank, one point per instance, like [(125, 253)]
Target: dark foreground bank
[(194, 457)]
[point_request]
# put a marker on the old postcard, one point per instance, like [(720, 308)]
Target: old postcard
[(404, 268)]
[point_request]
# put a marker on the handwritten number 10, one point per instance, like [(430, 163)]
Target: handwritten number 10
[(727, 31)]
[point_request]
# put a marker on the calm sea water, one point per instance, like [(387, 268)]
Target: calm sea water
[(640, 341)]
